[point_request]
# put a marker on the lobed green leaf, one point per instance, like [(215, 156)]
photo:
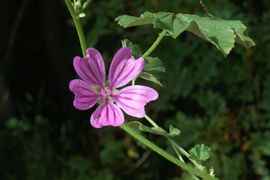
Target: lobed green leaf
[(221, 33), (200, 152)]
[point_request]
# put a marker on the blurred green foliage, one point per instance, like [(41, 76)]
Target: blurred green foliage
[(222, 103)]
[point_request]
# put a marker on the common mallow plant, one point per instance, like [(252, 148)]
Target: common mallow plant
[(114, 95)]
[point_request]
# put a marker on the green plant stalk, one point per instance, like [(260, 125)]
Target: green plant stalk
[(78, 26), (150, 121), (180, 158), (166, 155), (198, 165), (177, 152), (155, 44)]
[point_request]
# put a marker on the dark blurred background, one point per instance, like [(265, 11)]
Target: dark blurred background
[(221, 102)]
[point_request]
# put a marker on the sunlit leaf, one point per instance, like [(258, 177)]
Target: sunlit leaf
[(221, 33)]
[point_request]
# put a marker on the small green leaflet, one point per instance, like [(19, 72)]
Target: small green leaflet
[(174, 131), (154, 65), (150, 77), (221, 33), (200, 152), (151, 68), (136, 49)]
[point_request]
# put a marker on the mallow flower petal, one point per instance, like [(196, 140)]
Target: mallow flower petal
[(124, 68), (122, 54), (132, 99), (85, 97), (107, 114), (91, 68)]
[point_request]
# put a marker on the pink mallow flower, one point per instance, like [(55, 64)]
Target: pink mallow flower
[(92, 87)]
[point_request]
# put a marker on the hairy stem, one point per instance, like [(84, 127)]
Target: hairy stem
[(77, 25)]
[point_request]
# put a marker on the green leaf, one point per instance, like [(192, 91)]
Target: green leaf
[(174, 131), (141, 127), (200, 152), (154, 64), (221, 33), (239, 29), (136, 49), (164, 20), (150, 77), (129, 21)]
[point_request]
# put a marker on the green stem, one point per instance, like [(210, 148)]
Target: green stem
[(180, 157), (77, 25), (176, 151), (198, 165), (151, 121), (133, 82), (164, 154), (155, 44)]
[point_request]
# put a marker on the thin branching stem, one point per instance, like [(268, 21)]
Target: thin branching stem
[(165, 154), (77, 25)]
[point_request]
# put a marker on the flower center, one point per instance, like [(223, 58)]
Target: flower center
[(105, 92)]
